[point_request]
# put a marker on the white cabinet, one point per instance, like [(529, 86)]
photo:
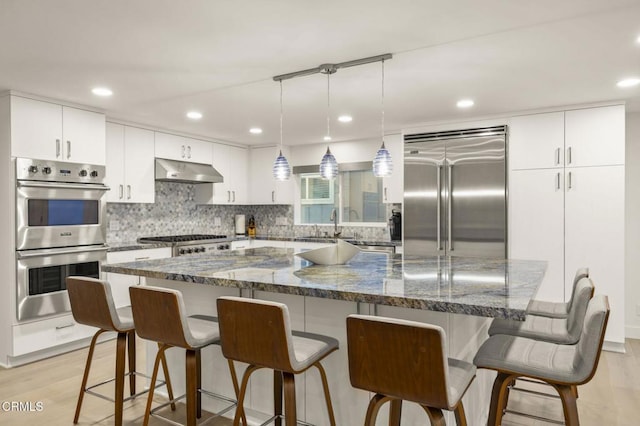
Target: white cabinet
[(264, 188), (120, 283), (130, 164), (536, 141), (232, 163), (181, 148), (595, 136), (240, 244), (49, 131), (393, 186), (40, 335)]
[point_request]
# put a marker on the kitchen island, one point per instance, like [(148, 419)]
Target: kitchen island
[(459, 294)]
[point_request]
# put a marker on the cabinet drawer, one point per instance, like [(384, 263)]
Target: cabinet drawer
[(48, 333), (133, 255)]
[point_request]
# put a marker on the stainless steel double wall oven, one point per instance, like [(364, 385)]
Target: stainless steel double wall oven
[(60, 231)]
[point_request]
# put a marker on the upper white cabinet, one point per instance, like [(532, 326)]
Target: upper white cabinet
[(264, 188), (393, 186), (536, 141), (232, 163), (595, 136), (49, 131), (130, 164), (180, 148)]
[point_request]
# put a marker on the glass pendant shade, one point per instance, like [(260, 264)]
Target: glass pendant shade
[(281, 168), (328, 166), (382, 164)]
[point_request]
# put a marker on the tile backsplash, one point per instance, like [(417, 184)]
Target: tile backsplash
[(176, 212)]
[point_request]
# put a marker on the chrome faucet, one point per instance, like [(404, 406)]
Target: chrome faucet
[(334, 219)]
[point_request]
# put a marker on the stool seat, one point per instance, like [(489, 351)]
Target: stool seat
[(309, 348), (461, 373), (564, 331), (201, 332), (557, 309), (123, 319)]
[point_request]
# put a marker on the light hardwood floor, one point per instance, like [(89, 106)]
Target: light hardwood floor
[(611, 398)]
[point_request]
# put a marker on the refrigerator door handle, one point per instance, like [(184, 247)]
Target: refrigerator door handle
[(450, 206), (438, 204)]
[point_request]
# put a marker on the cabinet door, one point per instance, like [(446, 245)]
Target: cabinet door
[(231, 163), (536, 141), (36, 129), (594, 230), (536, 226), (83, 136), (139, 165), (238, 175), (595, 136), (114, 177), (262, 183), (182, 148), (393, 186)]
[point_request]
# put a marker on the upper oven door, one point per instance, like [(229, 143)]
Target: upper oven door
[(52, 214)]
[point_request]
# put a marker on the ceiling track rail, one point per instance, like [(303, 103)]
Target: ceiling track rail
[(332, 68)]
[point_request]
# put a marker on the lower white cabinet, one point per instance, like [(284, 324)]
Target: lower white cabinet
[(246, 244), (45, 334), (120, 283)]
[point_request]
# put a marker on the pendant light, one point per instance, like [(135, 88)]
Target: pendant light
[(328, 164), (281, 168), (382, 164)]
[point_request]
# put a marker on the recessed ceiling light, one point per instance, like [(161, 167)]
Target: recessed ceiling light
[(255, 130), (194, 115), (628, 82), (327, 138), (345, 119), (464, 103), (101, 91)]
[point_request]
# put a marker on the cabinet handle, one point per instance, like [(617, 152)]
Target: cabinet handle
[(60, 327), (189, 151), (438, 204), (182, 151), (141, 258), (273, 196), (57, 148), (558, 181), (68, 149), (385, 193), (120, 191), (234, 196), (569, 181), (228, 196), (128, 192), (569, 155), (558, 156), (450, 206)]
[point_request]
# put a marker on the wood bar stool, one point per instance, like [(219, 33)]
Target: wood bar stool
[(406, 360), (160, 316), (544, 308), (258, 333), (561, 366), (92, 304)]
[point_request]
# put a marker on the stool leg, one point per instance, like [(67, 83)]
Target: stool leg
[(574, 390), (499, 398), (198, 384), (243, 390), (461, 418), (435, 415), (569, 407), (374, 406), (191, 386), (277, 397), (395, 412), (167, 380), (236, 388), (121, 355), (131, 342), (327, 395), (152, 385), (85, 377), (290, 416)]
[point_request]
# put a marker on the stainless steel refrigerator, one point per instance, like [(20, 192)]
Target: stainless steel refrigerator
[(455, 193)]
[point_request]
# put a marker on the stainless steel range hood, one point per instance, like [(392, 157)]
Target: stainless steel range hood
[(182, 171)]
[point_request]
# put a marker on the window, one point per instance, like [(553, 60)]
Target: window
[(357, 195)]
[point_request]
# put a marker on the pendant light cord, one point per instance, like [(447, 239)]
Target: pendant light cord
[(382, 105), (329, 105), (280, 115)]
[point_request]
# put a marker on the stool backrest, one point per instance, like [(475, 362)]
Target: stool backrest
[(92, 303), (404, 359), (580, 274), (255, 331), (160, 315), (588, 349), (581, 297)]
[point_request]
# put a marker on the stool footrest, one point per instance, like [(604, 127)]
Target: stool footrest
[(89, 390), (233, 402), (550, 395), (280, 416), (532, 416)]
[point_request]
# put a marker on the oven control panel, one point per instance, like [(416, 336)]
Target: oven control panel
[(187, 250), (58, 171)]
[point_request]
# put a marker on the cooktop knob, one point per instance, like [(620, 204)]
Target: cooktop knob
[(46, 170), (189, 250), (33, 169), (83, 173), (94, 174), (182, 251)]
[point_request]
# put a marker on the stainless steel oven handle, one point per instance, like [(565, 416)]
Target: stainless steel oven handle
[(66, 250), (56, 185)]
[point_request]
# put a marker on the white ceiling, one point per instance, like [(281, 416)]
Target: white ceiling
[(164, 57)]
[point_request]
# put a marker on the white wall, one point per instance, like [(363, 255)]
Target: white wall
[(632, 225), (345, 152)]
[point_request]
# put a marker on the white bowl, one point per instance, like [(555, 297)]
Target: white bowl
[(335, 254)]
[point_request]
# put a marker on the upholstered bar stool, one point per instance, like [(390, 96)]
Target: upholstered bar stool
[(561, 366), (160, 316), (259, 333), (544, 308), (555, 330), (92, 304), (406, 360)]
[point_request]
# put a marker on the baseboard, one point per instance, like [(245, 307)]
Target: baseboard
[(613, 347), (632, 332)]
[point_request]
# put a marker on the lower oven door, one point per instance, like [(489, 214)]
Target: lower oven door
[(53, 214), (41, 278)]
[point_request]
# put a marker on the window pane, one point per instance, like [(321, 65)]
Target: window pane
[(362, 197), (317, 198)]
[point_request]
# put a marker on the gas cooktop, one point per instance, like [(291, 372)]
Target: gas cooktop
[(180, 238)]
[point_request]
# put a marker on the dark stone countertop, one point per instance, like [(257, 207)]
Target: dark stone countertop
[(473, 286)]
